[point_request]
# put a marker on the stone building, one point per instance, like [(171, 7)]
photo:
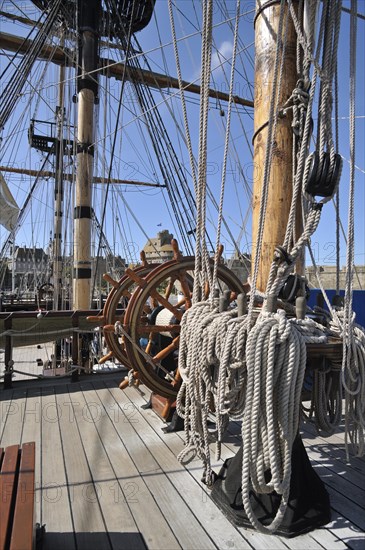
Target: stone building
[(159, 249), (28, 265), (328, 277), (240, 264)]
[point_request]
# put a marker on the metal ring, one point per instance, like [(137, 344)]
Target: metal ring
[(262, 8)]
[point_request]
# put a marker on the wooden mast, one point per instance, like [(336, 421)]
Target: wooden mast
[(58, 203), (87, 86), (58, 200), (280, 186)]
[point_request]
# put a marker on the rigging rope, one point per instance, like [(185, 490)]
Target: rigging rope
[(226, 145), (127, 48), (353, 362), (202, 271), (12, 91)]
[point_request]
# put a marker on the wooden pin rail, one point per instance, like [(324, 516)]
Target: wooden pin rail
[(17, 527), (332, 350)]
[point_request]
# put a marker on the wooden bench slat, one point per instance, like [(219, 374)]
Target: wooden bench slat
[(23, 526), (7, 490)]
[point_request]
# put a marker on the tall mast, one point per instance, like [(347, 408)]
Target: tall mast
[(87, 87), (280, 185), (58, 199)]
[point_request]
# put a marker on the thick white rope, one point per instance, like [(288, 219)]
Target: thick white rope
[(257, 374), (185, 116), (201, 253), (256, 370), (276, 359), (226, 145), (261, 369), (331, 16), (353, 358), (207, 351), (182, 96)]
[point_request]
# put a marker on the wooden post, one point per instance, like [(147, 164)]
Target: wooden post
[(8, 355), (280, 186), (88, 16)]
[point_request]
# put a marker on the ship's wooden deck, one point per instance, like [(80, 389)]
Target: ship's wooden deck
[(108, 477)]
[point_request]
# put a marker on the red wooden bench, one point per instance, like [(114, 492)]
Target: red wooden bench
[(17, 527)]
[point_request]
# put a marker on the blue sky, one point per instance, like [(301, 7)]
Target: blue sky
[(131, 160)]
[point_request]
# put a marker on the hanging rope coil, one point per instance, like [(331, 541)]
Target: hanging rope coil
[(276, 358), (326, 406), (352, 380), (256, 375), (212, 366)]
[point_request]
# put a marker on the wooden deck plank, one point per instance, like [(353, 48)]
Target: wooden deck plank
[(327, 539), (74, 450), (222, 530), (322, 455), (345, 517), (336, 529), (208, 515), (175, 442), (342, 509), (87, 517), (337, 477), (170, 503), (257, 540), (23, 531), (56, 506), (342, 528), (32, 432), (346, 507), (7, 407), (117, 491), (7, 489), (12, 432), (314, 539), (153, 526), (335, 447)]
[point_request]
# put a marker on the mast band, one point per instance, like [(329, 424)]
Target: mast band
[(263, 7), (85, 148), (82, 273), (87, 84), (82, 212)]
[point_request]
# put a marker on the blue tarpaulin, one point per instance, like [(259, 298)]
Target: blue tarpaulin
[(358, 302)]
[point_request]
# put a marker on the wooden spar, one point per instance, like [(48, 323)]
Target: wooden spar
[(69, 177), (87, 90), (112, 69), (38, 25), (280, 186)]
